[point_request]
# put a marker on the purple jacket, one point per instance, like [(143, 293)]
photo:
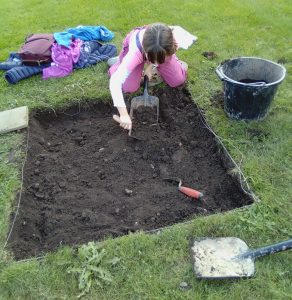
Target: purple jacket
[(63, 59)]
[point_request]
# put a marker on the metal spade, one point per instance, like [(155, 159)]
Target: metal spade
[(228, 257), (144, 100)]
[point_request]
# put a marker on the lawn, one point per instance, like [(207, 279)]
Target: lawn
[(153, 266)]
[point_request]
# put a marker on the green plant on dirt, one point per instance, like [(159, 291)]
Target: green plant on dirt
[(90, 268)]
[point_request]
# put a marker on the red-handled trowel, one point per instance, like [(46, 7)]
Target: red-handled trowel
[(185, 190)]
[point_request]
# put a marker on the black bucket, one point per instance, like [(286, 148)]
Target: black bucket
[(250, 85)]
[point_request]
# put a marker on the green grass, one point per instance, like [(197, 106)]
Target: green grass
[(152, 266)]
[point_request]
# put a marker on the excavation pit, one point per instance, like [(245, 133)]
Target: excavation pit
[(85, 180)]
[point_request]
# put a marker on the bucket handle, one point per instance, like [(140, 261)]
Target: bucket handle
[(222, 77), (259, 83), (220, 73)]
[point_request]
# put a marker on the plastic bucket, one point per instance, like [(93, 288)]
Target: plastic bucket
[(250, 84)]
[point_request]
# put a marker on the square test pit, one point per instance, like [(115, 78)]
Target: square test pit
[(85, 180)]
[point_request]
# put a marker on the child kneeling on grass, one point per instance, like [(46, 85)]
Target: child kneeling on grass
[(153, 45)]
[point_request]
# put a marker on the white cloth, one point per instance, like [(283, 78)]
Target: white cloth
[(184, 38)]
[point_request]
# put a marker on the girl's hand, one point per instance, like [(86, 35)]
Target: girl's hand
[(124, 120)]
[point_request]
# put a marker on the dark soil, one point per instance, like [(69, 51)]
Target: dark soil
[(85, 179), (209, 55)]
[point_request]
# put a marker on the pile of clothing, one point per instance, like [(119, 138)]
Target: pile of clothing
[(74, 48)]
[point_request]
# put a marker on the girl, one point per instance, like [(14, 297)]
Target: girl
[(154, 45)]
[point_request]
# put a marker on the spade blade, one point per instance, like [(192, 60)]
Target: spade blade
[(218, 258)]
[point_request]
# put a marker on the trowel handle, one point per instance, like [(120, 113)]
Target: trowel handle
[(190, 192), (145, 85), (283, 246)]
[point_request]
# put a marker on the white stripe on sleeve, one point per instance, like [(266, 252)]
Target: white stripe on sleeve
[(116, 82)]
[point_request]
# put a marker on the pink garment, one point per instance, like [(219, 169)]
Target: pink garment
[(171, 71), (63, 59)]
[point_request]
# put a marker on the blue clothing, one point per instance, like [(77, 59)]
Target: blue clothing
[(12, 61), (63, 38), (84, 33), (92, 52), (18, 73)]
